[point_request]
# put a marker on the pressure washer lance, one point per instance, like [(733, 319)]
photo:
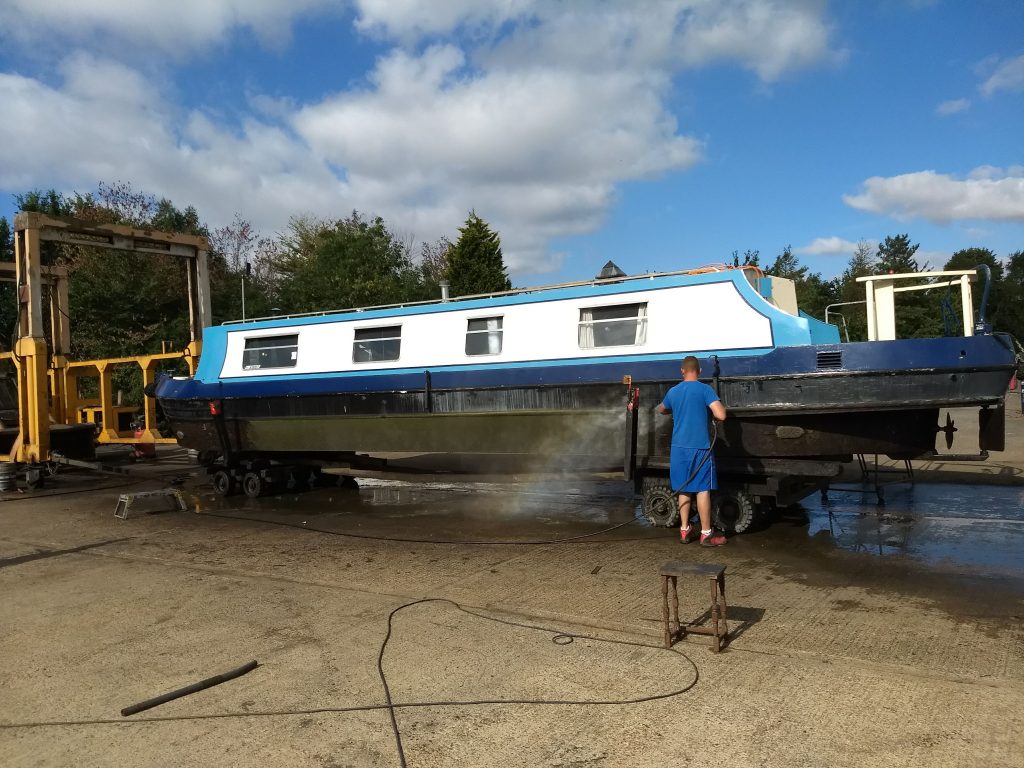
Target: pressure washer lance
[(189, 689)]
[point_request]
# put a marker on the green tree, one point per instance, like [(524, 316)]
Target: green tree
[(8, 296), (750, 258), (1011, 314), (970, 258), (813, 292), (50, 202), (896, 255), (475, 263), (845, 288), (122, 303), (434, 265), (351, 263), (918, 313)]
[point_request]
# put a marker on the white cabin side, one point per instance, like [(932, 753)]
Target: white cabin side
[(690, 318)]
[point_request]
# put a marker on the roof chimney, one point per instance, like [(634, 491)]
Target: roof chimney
[(610, 271)]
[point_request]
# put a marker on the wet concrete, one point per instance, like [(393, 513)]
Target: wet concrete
[(970, 529), (451, 513), (976, 529), (862, 637)]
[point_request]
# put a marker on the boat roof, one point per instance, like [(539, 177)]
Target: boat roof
[(486, 299)]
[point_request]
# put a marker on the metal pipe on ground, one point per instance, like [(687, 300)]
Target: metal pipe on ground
[(188, 689)]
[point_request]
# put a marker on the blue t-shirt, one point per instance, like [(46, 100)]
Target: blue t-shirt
[(688, 403)]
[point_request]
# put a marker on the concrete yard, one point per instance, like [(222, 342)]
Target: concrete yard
[(863, 636)]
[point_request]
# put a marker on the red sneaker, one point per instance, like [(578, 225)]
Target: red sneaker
[(713, 539), (688, 534)]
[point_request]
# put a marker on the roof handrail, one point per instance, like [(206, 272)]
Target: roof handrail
[(514, 292)]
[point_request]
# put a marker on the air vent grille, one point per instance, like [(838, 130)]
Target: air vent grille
[(830, 360)]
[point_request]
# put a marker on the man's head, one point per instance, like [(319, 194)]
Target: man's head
[(690, 368)]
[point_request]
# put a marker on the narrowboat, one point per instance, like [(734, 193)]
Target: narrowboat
[(536, 379)]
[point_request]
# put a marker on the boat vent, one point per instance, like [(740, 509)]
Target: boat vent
[(829, 360)]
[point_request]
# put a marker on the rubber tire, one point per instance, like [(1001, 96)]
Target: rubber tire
[(223, 483), (733, 511), (660, 506), (253, 485)]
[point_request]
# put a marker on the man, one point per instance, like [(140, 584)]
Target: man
[(691, 460)]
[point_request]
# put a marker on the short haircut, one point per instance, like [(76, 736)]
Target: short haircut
[(690, 364)]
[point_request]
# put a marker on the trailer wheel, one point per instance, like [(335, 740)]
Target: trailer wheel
[(660, 506), (733, 511), (224, 483), (253, 485)]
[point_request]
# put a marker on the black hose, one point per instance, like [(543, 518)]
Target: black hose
[(403, 540), (983, 307), (557, 637), (202, 685)]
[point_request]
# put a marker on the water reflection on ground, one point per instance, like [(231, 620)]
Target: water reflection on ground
[(973, 526)]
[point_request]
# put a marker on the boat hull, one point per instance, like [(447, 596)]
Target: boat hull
[(814, 402)]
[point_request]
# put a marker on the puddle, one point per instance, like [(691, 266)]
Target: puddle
[(973, 527), (968, 526)]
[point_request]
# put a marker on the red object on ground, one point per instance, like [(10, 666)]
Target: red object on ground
[(1014, 383), (143, 450)]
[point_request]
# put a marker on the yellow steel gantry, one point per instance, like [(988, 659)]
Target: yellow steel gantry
[(47, 386)]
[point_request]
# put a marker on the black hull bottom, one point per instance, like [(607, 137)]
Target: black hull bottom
[(583, 426)]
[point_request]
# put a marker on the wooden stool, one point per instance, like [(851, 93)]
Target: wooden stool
[(719, 629)]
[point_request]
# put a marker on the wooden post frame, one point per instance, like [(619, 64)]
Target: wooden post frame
[(31, 350)]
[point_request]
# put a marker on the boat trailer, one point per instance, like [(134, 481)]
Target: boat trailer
[(748, 488)]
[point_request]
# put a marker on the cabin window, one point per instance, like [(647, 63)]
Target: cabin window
[(619, 326), (374, 345), (270, 352), (483, 336)]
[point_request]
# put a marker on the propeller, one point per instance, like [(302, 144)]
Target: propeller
[(949, 429)]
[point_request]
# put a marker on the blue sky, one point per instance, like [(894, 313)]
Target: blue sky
[(663, 135)]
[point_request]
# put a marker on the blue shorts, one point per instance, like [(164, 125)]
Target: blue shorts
[(687, 473)]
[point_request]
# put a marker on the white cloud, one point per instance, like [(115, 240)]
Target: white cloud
[(539, 150), (768, 37), (827, 246), (172, 27), (106, 123), (953, 106), (988, 193), (410, 19), (1008, 76), (530, 112)]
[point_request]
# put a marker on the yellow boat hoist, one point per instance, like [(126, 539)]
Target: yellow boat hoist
[(47, 381)]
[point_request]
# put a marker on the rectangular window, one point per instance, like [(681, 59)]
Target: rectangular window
[(619, 326), (374, 345), (270, 352), (483, 336)]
